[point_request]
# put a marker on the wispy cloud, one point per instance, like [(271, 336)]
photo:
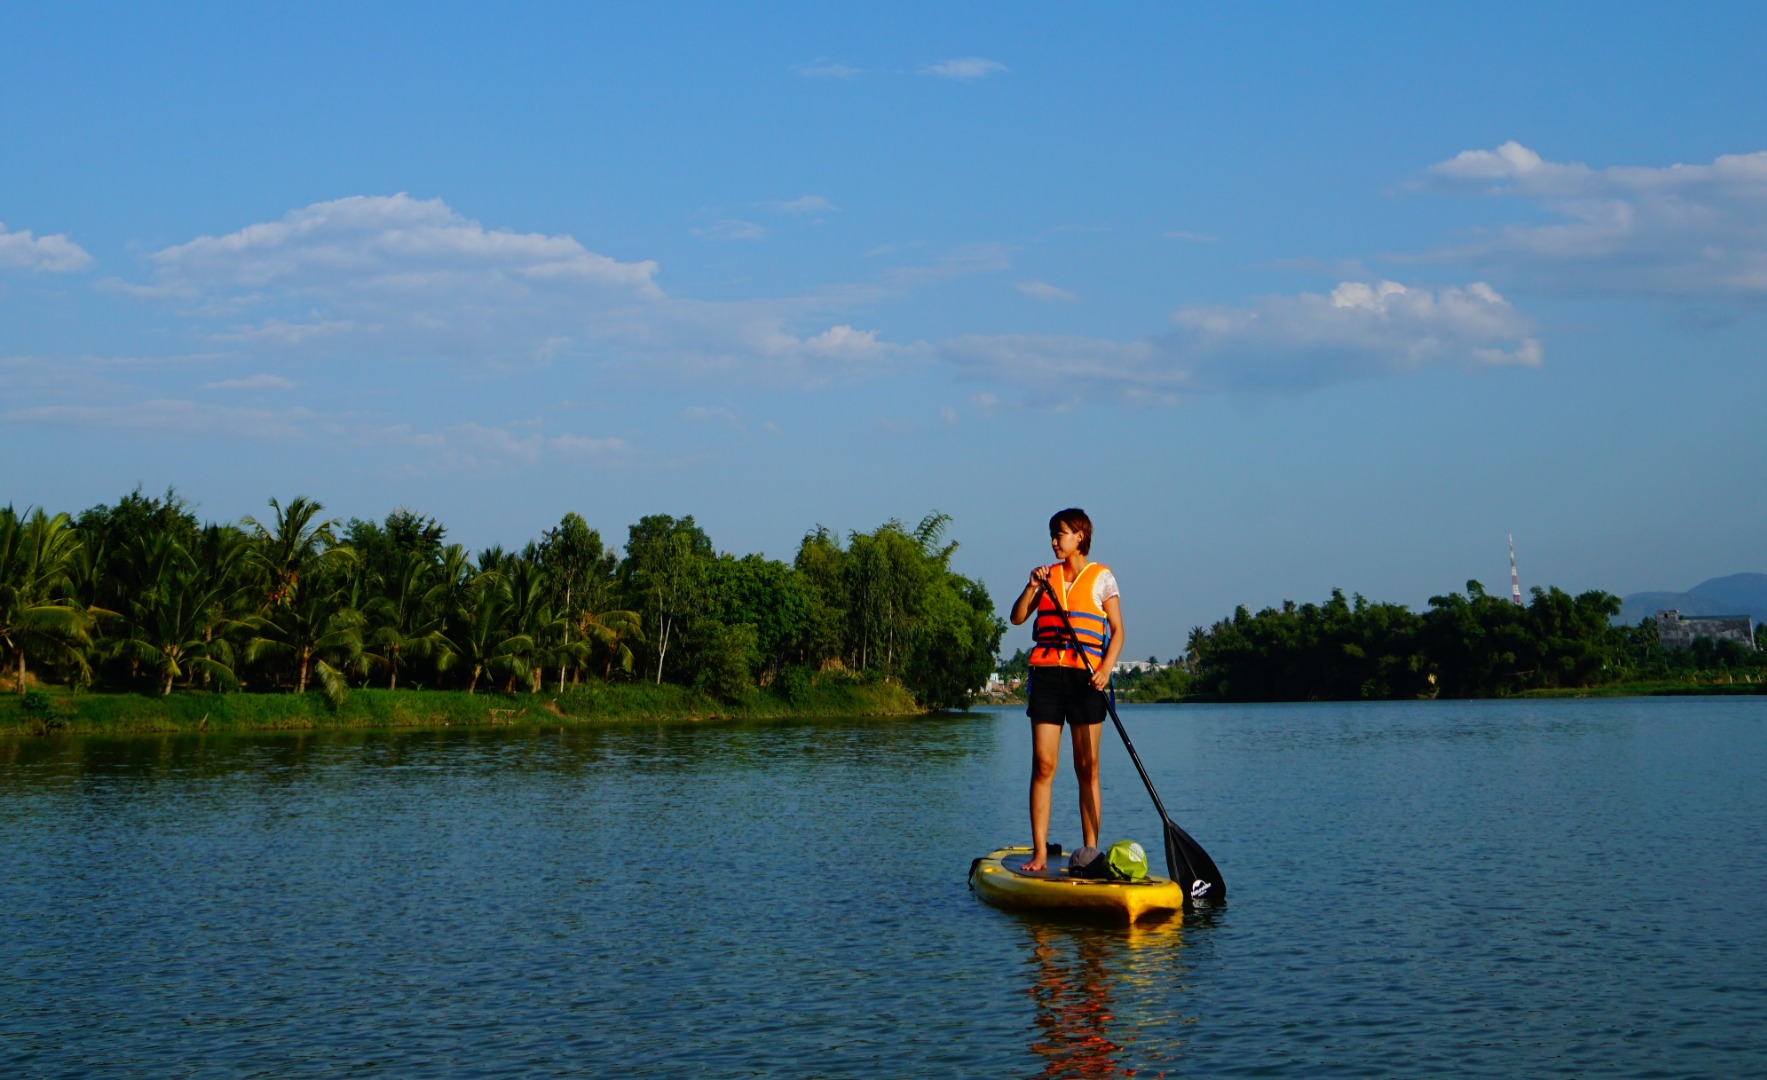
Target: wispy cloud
[(1282, 343), (252, 382), (174, 418), (803, 206), (283, 332), (378, 280), (964, 67), (389, 276), (1191, 237), (386, 243), (966, 261), (1687, 232), (891, 249), (469, 445), (711, 414), (821, 68), (732, 229), (1047, 293), (19, 250)]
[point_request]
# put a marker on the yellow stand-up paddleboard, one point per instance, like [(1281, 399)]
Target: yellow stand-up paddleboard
[(997, 877)]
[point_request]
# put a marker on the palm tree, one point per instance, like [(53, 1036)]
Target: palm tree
[(530, 615), (298, 544), (37, 554), (222, 554), (405, 621), (318, 633), (610, 631), (87, 585), (171, 626), (481, 632)]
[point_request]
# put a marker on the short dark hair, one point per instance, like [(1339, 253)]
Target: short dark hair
[(1076, 521)]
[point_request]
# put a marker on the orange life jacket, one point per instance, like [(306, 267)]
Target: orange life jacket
[(1054, 646)]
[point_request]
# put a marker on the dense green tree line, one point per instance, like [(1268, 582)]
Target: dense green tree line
[(140, 595), (1465, 646)]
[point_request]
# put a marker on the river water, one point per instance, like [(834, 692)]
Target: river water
[(1482, 888)]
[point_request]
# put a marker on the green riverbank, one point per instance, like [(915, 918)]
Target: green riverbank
[(1653, 689), (56, 714)]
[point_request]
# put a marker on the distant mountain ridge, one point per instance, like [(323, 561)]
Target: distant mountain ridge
[(1737, 594)]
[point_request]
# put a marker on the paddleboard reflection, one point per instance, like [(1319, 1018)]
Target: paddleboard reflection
[(1104, 999)]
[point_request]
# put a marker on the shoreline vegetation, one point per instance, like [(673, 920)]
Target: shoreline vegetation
[(138, 617)]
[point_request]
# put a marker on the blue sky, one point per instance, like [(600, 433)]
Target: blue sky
[(1288, 297)]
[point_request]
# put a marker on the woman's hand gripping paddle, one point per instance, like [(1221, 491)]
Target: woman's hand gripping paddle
[(1186, 861)]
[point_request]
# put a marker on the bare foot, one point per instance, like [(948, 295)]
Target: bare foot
[(1034, 865)]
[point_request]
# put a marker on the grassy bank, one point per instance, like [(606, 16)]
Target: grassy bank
[(51, 713), (1653, 689)]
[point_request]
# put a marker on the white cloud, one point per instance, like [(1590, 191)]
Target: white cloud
[(1282, 343), (803, 206), (1042, 290), (826, 69), (252, 382), (685, 343), (388, 280), (389, 277), (387, 243), (731, 229), (844, 342), (1509, 162), (1191, 237), (965, 67), (52, 254), (1683, 231)]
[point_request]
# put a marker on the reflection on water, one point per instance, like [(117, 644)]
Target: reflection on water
[(281, 757), (1095, 990)]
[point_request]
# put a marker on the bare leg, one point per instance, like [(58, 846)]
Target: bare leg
[(1086, 771), (1045, 751)]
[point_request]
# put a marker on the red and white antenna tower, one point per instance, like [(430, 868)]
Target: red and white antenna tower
[(1515, 582)]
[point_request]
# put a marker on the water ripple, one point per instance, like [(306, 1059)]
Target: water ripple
[(1491, 888)]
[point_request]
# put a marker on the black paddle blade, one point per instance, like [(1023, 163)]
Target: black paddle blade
[(1191, 867)]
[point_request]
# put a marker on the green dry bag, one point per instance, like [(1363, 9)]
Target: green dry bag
[(1127, 861)]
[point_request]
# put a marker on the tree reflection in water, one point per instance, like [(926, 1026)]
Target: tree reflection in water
[(1097, 990)]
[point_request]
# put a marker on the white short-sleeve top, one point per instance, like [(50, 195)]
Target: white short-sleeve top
[(1104, 586)]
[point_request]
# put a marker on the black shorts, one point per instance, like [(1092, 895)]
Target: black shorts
[(1063, 693)]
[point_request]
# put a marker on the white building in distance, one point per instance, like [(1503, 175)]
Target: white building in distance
[(1124, 667)]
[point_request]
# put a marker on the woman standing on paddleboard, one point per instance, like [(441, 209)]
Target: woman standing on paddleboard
[(1060, 689)]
